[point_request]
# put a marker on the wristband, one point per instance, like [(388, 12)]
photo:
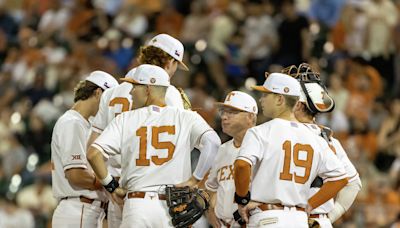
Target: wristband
[(238, 218), (242, 200), (110, 187), (106, 180)]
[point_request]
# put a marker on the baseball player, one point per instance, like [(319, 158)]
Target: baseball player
[(154, 142), (285, 157), (164, 51), (238, 113), (81, 197), (314, 99)]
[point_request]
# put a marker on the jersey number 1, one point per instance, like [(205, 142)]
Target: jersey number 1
[(306, 164), (155, 132)]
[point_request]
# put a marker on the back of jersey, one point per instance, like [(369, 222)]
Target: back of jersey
[(287, 157), (113, 102), (155, 145)]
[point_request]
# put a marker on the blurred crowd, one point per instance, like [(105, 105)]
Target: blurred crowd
[(47, 46)]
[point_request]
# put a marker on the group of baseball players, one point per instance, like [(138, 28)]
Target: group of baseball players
[(119, 145)]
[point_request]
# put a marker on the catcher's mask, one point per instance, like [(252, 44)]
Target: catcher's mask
[(313, 93)]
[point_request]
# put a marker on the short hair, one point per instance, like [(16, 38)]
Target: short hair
[(290, 100), (307, 111), (154, 56), (84, 90)]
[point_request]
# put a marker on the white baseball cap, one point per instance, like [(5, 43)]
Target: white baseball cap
[(102, 79), (130, 73), (171, 46), (318, 98), (281, 84), (240, 101), (147, 74)]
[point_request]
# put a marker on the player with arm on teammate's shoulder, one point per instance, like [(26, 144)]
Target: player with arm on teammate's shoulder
[(315, 99), (154, 142), (81, 196), (284, 157), (238, 113)]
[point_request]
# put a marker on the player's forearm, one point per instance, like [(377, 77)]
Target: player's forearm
[(327, 191), (242, 172), (345, 199), (82, 178), (97, 163), (93, 136)]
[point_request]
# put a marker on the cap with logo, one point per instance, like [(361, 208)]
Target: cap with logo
[(281, 84), (240, 101), (102, 79), (147, 74), (171, 46)]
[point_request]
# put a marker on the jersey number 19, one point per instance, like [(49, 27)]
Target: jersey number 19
[(306, 164)]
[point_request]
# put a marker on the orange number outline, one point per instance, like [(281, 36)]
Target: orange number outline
[(156, 131), (306, 164), (122, 101)]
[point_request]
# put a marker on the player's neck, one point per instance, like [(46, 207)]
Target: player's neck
[(84, 108), (159, 103), (238, 138), (286, 115)]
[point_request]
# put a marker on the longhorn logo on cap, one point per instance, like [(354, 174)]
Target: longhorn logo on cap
[(286, 90), (106, 85), (177, 53)]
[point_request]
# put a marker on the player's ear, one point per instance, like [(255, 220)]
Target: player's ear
[(98, 92)]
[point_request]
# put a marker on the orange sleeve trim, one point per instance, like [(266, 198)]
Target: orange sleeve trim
[(242, 171), (327, 191)]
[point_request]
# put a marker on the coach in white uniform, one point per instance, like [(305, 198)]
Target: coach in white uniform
[(285, 157), (314, 99), (81, 196), (155, 143), (238, 113)]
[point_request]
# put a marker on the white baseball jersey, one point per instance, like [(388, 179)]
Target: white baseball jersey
[(155, 145), (68, 150), (286, 157), (221, 180), (348, 166), (173, 97), (117, 100)]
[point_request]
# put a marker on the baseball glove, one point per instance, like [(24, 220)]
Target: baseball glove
[(313, 223), (185, 99), (186, 205)]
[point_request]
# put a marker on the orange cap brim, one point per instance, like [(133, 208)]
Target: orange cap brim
[(183, 66), (261, 89), (130, 80)]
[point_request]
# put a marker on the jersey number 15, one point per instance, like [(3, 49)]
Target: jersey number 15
[(155, 132), (306, 164)]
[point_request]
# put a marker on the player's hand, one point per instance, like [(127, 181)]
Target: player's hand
[(118, 196), (309, 209), (244, 210), (192, 182), (212, 218)]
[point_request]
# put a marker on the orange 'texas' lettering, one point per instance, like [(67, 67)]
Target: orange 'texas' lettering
[(225, 173)]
